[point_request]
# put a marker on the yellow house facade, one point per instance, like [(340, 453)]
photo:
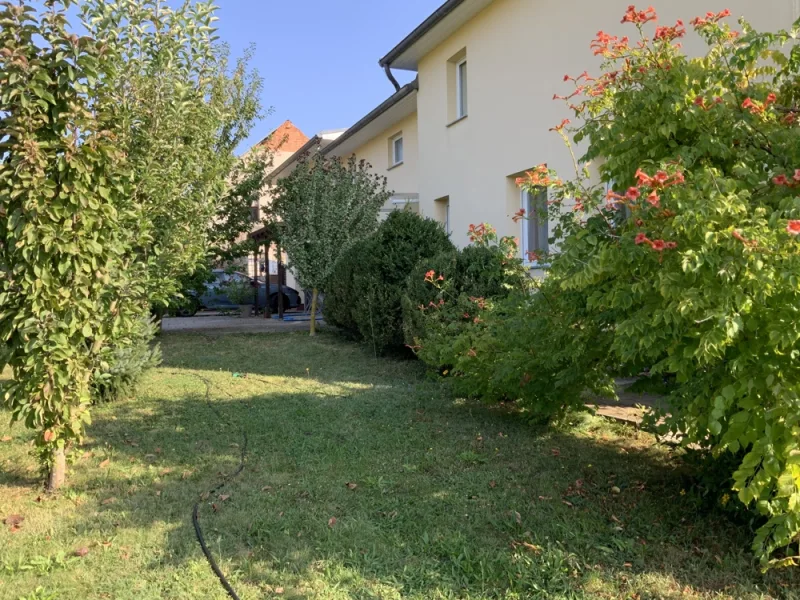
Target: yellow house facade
[(479, 113)]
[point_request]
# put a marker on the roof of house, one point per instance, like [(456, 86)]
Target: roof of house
[(286, 138), (319, 142), (445, 21), (398, 106)]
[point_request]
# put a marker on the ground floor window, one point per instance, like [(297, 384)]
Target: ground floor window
[(535, 226)]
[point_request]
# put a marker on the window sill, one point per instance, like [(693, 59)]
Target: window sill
[(458, 120), (535, 265), (394, 166)]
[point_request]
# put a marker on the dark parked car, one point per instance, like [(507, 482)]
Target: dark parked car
[(214, 297)]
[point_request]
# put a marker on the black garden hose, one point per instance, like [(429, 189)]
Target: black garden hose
[(225, 480)]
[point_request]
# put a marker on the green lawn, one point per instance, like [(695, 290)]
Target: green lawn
[(447, 498)]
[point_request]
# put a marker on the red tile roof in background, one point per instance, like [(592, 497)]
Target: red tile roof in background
[(286, 138)]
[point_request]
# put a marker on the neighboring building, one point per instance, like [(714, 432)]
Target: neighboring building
[(387, 139), (480, 111)]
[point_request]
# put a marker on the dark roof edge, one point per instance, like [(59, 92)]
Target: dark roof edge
[(412, 38), (293, 158), (402, 93)]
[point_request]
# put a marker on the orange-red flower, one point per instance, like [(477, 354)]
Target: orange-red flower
[(658, 245), (639, 17), (793, 227), (641, 238), (780, 180), (633, 193), (653, 199)]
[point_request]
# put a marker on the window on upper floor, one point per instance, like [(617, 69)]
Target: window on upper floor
[(255, 213), (457, 90), (396, 150), (461, 89), (535, 225)]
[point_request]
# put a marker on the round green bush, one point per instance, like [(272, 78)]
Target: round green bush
[(448, 289), (363, 296)]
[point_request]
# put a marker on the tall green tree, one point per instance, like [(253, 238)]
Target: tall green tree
[(115, 150), (323, 208), (63, 180)]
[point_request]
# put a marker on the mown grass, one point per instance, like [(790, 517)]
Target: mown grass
[(448, 499)]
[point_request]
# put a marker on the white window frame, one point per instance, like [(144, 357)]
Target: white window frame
[(393, 141), (525, 203), (462, 107)]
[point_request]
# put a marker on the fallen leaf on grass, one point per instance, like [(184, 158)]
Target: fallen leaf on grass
[(224, 497), (158, 493), (543, 498), (331, 522), (555, 452), (106, 544), (186, 474), (13, 520), (215, 507), (278, 590), (351, 486), (83, 551), (568, 503), (205, 495), (5, 438), (164, 472), (517, 516), (108, 501), (105, 463), (492, 484), (266, 488)]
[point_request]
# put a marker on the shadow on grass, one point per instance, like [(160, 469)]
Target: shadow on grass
[(364, 480), (448, 499)]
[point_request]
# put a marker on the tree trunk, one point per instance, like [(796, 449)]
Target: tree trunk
[(314, 312), (58, 470)]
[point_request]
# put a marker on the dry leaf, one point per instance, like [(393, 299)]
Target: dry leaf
[(106, 544), (157, 450), (517, 517), (351, 486), (13, 520), (81, 551), (568, 503), (545, 498), (266, 488), (105, 463), (186, 474), (492, 484), (278, 590), (224, 497), (532, 547), (615, 490), (331, 522), (555, 452), (158, 493), (205, 495), (109, 501), (5, 438), (164, 472), (215, 507)]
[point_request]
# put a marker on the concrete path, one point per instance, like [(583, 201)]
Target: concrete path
[(631, 406), (214, 324)]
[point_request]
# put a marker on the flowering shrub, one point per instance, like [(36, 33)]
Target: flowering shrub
[(445, 294), (498, 335), (690, 266)]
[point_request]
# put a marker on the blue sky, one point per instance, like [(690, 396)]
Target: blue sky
[(319, 58)]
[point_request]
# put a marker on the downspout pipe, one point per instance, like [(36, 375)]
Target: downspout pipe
[(388, 70)]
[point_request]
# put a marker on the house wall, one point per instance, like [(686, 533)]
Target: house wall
[(517, 54), (402, 180)]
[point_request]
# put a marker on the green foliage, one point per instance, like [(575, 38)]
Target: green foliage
[(233, 217), (324, 207), (114, 150), (700, 283), (441, 291), (363, 296), (122, 364), (239, 292), (63, 181), (181, 109)]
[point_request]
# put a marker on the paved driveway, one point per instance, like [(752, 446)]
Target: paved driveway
[(219, 324)]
